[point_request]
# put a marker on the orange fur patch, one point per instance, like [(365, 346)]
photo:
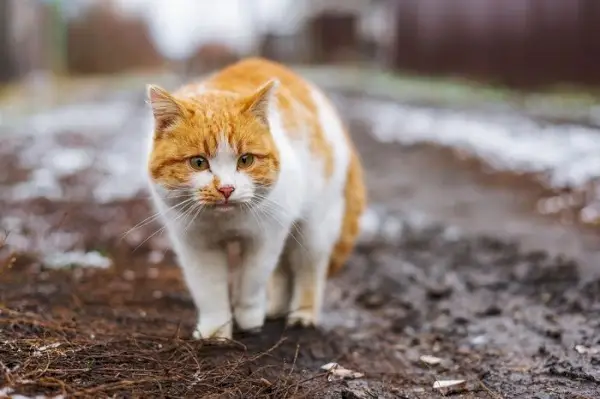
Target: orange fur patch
[(294, 98), (356, 198)]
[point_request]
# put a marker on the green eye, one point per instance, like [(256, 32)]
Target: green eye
[(199, 163), (245, 160)]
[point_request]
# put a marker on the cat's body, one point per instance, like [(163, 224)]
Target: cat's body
[(257, 155)]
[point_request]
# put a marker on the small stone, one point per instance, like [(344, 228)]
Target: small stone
[(437, 292), (357, 390), (492, 310), (431, 360), (554, 333), (129, 275), (584, 350), (153, 273), (156, 294), (479, 340), (446, 387), (155, 257), (371, 299)]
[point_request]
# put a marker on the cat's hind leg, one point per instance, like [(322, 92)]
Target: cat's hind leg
[(279, 289), (310, 255)]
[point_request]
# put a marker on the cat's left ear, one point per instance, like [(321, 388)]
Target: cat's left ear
[(165, 108), (258, 102)]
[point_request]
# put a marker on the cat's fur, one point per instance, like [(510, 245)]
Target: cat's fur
[(295, 209)]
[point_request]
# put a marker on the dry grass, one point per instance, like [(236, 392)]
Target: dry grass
[(45, 356)]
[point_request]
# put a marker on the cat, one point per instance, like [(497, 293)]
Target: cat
[(255, 154)]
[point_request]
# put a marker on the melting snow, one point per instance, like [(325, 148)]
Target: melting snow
[(112, 154), (111, 135), (77, 258), (568, 155)]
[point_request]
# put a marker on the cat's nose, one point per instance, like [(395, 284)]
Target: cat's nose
[(226, 191)]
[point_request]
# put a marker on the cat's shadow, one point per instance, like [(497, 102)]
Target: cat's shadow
[(307, 345)]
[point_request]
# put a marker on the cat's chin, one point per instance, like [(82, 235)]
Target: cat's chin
[(224, 208)]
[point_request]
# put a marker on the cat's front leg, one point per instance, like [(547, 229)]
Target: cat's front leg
[(206, 275), (259, 262)]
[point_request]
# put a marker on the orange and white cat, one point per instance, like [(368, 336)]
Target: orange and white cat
[(254, 154)]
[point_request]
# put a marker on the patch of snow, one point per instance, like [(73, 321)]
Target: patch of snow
[(93, 116), (7, 392), (78, 258), (560, 156), (110, 157), (26, 232), (370, 224), (568, 155)]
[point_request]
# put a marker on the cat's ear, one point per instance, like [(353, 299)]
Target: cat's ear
[(165, 108), (258, 102)]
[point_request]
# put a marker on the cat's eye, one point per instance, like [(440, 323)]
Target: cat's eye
[(199, 163), (245, 160)]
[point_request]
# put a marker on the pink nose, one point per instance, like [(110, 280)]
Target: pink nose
[(226, 191)]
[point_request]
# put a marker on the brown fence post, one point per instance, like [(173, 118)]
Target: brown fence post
[(7, 60)]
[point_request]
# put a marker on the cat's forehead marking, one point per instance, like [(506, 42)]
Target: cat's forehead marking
[(223, 146)]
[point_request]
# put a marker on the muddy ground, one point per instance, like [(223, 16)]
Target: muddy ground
[(460, 269)]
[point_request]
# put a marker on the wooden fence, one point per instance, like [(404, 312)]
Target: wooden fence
[(516, 42)]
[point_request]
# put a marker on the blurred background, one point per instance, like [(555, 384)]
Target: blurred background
[(523, 43), (506, 88)]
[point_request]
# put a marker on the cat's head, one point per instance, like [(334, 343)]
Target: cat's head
[(215, 148)]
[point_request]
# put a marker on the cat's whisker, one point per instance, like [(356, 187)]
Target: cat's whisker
[(190, 206), (187, 202), (154, 217), (188, 211), (199, 210), (256, 217), (291, 231), (163, 228), (269, 202)]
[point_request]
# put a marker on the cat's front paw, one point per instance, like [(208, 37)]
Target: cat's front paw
[(208, 330), (249, 318), (302, 318)]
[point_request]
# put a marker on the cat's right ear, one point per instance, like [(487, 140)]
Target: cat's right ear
[(165, 108)]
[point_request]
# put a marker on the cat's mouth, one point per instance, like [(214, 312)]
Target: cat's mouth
[(224, 206)]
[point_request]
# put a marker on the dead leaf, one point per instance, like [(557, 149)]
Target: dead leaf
[(336, 372)]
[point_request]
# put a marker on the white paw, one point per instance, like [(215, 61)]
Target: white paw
[(277, 307), (302, 318), (249, 318), (209, 330)]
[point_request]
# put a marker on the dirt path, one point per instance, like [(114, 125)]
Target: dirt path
[(459, 269)]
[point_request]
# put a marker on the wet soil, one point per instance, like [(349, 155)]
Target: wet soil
[(460, 269)]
